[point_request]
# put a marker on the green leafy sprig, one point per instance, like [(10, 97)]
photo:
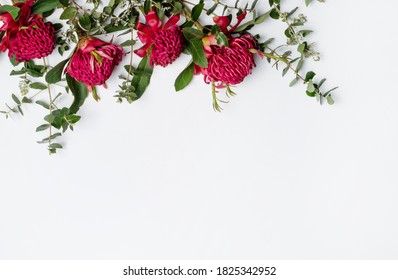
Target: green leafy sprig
[(78, 19)]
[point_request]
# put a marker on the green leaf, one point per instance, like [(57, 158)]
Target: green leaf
[(128, 43), (248, 25), (147, 6), (43, 6), (55, 146), (301, 48), (293, 82), (262, 18), (18, 72), (26, 100), (309, 76), (222, 40), (254, 4), (329, 91), (42, 127), (85, 22), (184, 78), (79, 91), (177, 7), (330, 100), (72, 119), (311, 94), (300, 65), (69, 13), (212, 9), (142, 79), (16, 99), (195, 47), (13, 11), (13, 61), (305, 33), (38, 85), (192, 33), (20, 110), (196, 11), (55, 74), (311, 86), (49, 118), (274, 14), (284, 72), (34, 70), (110, 28), (45, 140), (43, 104), (64, 2)]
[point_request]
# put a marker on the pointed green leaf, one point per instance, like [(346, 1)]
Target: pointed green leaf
[(195, 47), (42, 127), (38, 85), (55, 74), (12, 10), (184, 78), (142, 79), (79, 91), (43, 6)]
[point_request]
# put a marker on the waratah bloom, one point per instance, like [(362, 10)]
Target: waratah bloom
[(164, 43), (230, 65), (93, 61), (29, 36)]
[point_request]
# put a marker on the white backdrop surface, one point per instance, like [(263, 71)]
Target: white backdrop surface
[(275, 176)]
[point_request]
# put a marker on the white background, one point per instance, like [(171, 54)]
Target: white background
[(274, 176)]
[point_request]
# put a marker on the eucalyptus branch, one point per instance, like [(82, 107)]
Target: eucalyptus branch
[(313, 89), (218, 50), (188, 15), (131, 56), (295, 37), (193, 4), (19, 104), (217, 2), (50, 107)]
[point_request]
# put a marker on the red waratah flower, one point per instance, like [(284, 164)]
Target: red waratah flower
[(93, 61), (163, 43), (228, 65), (29, 36)]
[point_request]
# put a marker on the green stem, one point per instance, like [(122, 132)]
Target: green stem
[(131, 57), (51, 103), (278, 57)]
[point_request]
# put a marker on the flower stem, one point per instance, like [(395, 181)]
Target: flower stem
[(131, 56), (50, 106)]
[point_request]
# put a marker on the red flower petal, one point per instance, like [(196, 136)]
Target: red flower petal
[(153, 20), (94, 68), (240, 18), (172, 21), (222, 21), (145, 34), (197, 70), (141, 52), (230, 65), (7, 21)]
